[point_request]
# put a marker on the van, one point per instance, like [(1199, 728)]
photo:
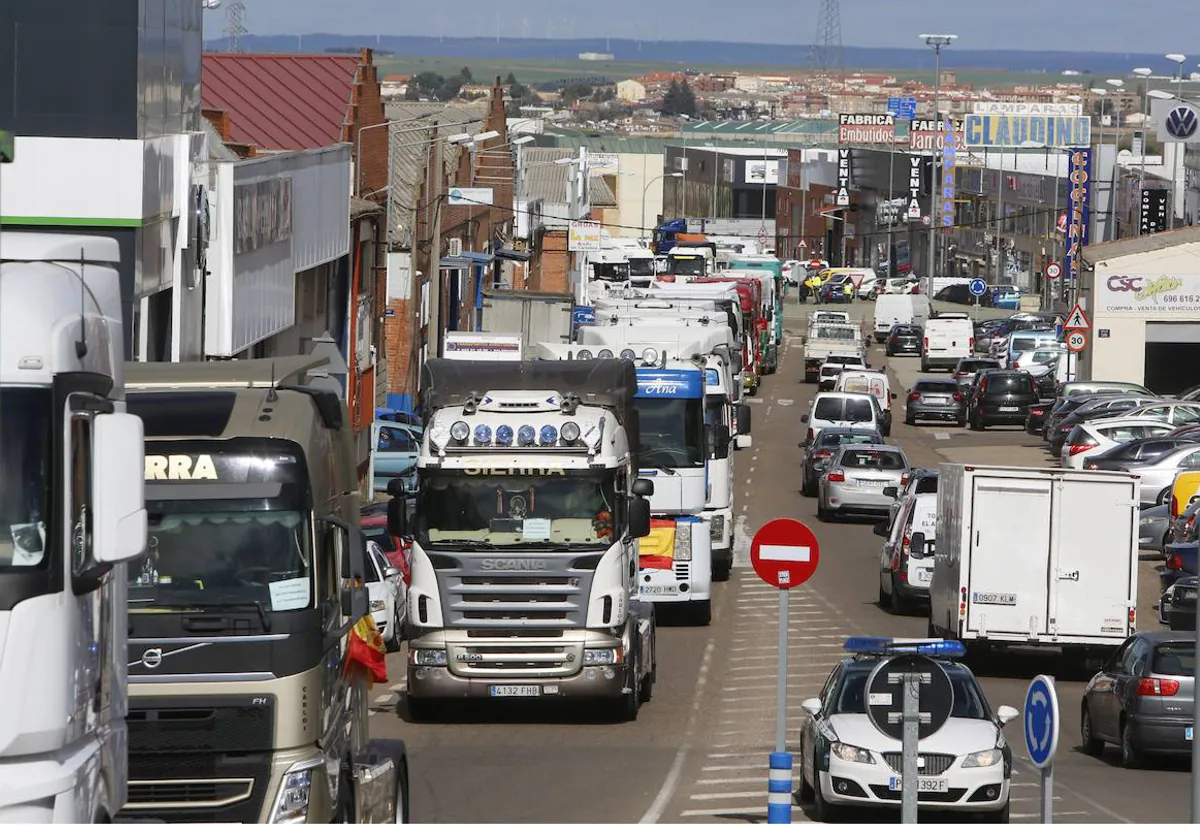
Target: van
[(948, 340), (1023, 340), (1184, 491), (837, 408), (871, 382), (905, 573), (899, 309)]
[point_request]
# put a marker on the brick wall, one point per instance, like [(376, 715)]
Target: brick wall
[(398, 337), (548, 270), (366, 109)]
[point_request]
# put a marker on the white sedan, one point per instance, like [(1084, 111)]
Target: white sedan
[(845, 762), (388, 596)]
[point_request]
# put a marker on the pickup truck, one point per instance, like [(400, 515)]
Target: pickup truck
[(826, 338)]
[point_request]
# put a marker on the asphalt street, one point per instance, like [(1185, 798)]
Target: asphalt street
[(698, 751)]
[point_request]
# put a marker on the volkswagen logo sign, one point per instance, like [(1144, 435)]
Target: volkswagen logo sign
[(152, 658), (1182, 123)]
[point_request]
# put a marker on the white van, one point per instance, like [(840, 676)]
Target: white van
[(834, 408), (906, 564), (873, 382), (899, 309), (949, 338)]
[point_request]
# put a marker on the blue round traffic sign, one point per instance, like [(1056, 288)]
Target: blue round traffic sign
[(1041, 721), (978, 287)]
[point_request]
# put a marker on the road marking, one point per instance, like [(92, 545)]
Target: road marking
[(720, 767), (730, 794), (753, 400), (733, 812), (785, 403), (1057, 814), (742, 780), (1086, 800)]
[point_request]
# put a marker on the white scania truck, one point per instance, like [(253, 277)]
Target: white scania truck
[(524, 529), (71, 516)]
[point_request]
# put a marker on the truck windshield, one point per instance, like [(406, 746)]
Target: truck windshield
[(25, 431), (686, 264), (612, 272), (544, 507), (641, 266), (671, 431)]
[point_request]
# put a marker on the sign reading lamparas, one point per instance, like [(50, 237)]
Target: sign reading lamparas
[(1139, 295), (945, 204)]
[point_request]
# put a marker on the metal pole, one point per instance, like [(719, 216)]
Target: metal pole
[(779, 778), (1048, 783), (934, 187), (892, 198), (1179, 149), (1000, 222), (909, 770)]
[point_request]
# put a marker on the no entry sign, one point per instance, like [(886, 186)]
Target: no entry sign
[(784, 553)]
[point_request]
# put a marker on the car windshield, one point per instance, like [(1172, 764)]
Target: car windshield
[(846, 438), (906, 331), (531, 507), (969, 703), (671, 432), (926, 484), (972, 365), (851, 411), (372, 571), (872, 459), (936, 387), (25, 434), (1175, 659), (1009, 385)]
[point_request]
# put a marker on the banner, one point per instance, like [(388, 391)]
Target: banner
[(843, 178), (1153, 218), (1079, 205), (583, 236), (944, 205), (1016, 130), (1029, 109), (860, 129), (262, 214), (762, 171), (471, 195), (929, 135), (1147, 294)]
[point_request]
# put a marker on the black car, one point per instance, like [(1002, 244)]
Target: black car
[(1039, 412), (964, 372), (904, 338), (935, 399), (818, 453), (1001, 397), (1182, 614), (961, 293)]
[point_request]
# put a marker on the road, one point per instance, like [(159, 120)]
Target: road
[(698, 751)]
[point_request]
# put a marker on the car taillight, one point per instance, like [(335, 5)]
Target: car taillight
[(1016, 365), (822, 453), (958, 397), (1175, 564), (811, 436), (1090, 466), (1150, 687), (1076, 448), (837, 475), (925, 343), (913, 396), (971, 345), (1037, 412)]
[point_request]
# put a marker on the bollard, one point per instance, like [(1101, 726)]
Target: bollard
[(779, 789)]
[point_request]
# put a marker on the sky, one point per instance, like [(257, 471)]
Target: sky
[(1150, 26)]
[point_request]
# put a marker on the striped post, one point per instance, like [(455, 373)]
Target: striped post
[(779, 788)]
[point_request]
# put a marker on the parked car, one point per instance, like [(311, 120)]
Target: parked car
[(906, 556), (965, 370), (935, 399), (837, 408), (834, 291), (1001, 397), (1158, 474), (1083, 388), (387, 595), (1043, 356), (1169, 411), (961, 293), (1095, 409), (904, 339), (1006, 297), (856, 478), (1102, 435), (872, 289), (1153, 528), (1181, 613), (1142, 699), (1038, 412), (818, 453), (396, 449), (1029, 338), (1129, 455), (916, 482), (374, 527)]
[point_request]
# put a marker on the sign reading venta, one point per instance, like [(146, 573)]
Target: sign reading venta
[(262, 214), (1139, 295), (944, 206), (843, 178), (854, 129), (915, 166), (1078, 209)]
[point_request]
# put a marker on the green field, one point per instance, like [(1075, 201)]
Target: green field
[(530, 71)]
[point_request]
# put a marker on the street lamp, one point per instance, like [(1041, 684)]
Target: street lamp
[(936, 42), (1178, 58), (1144, 73), (647, 187)]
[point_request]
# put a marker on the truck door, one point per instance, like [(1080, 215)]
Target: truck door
[(1091, 579), (1007, 584)]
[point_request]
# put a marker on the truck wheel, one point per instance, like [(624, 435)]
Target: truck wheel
[(628, 706), (652, 677), (402, 794), (344, 815), (420, 710), (722, 565), (702, 613)]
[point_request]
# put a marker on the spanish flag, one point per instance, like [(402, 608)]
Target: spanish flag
[(656, 550), (366, 650)]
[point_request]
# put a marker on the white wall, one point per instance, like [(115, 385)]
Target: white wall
[(635, 174), (252, 296)]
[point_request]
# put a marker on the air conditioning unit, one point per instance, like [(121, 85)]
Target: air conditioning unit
[(454, 248)]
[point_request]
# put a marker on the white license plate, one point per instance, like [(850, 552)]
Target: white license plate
[(864, 482), (515, 690), (1010, 408), (925, 784), (938, 401), (924, 575), (1187, 734), (658, 590)]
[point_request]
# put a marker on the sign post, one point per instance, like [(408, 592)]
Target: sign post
[(977, 288), (784, 554), (909, 697), (1041, 736)]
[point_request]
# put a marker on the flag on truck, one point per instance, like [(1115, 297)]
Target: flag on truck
[(366, 650), (656, 550)]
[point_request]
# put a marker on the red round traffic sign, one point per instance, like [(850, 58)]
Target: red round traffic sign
[(784, 553), (1053, 271)]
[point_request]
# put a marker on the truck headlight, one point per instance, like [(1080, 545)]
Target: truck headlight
[(603, 656), (718, 528), (683, 541), (376, 606), (426, 657), (849, 752), (291, 803), (983, 758)]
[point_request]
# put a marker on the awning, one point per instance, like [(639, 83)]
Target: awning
[(832, 208), (513, 254), (466, 259)]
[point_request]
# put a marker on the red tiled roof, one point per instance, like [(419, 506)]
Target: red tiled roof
[(281, 102)]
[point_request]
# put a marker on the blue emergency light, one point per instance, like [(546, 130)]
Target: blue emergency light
[(878, 646)]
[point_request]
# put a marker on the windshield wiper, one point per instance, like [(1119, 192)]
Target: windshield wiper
[(464, 543), (663, 467), (226, 606)]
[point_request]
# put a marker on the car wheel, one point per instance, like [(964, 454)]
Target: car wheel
[(822, 514), (420, 709), (909, 420), (884, 599), (808, 488), (1001, 816), (393, 644), (1131, 759), (1164, 496), (822, 810), (900, 605), (1089, 743), (888, 352), (975, 424), (962, 421)]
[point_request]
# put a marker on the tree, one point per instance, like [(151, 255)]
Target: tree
[(679, 99), (574, 92), (511, 80), (465, 75)]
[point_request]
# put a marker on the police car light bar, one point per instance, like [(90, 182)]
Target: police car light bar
[(878, 646)]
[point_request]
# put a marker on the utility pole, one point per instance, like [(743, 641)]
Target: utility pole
[(937, 42), (235, 27), (825, 54)]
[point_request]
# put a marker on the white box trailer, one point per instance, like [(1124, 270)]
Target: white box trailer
[(1035, 557)]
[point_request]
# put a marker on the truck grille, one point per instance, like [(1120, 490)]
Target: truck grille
[(207, 793), (503, 659), (683, 570), (198, 788), (542, 591), (933, 763)]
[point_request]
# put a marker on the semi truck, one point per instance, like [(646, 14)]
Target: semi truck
[(1037, 558), (247, 702), (524, 538), (72, 517)]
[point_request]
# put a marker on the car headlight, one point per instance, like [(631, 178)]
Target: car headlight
[(376, 606), (603, 656), (291, 803), (425, 656), (849, 752), (983, 758)]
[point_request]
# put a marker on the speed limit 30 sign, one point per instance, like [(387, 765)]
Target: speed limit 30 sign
[(1076, 341), (1053, 271)]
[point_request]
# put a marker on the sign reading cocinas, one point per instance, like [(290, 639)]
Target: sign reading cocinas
[(1017, 130)]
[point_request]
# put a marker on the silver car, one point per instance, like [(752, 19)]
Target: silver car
[(1158, 476), (856, 479)]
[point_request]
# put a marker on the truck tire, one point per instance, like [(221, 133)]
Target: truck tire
[(628, 705), (651, 677), (722, 565), (402, 816), (420, 710), (702, 613)]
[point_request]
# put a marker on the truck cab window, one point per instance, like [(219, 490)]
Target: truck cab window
[(81, 489), (25, 424)]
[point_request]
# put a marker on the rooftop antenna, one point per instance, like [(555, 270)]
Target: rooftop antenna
[(271, 395), (81, 346)]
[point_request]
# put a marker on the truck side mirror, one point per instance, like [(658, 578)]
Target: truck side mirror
[(399, 523), (639, 516), (118, 480), (643, 487), (356, 564), (916, 545), (743, 419)]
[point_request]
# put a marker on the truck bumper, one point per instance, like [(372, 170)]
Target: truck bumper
[(61, 787), (591, 682)]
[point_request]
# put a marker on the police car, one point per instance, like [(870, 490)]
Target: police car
[(845, 762)]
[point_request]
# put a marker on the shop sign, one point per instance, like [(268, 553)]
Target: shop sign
[(1078, 209), (1150, 294), (583, 236), (1153, 218), (262, 214), (1008, 130), (858, 129), (944, 206), (843, 178), (929, 135), (914, 186), (1029, 109)]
